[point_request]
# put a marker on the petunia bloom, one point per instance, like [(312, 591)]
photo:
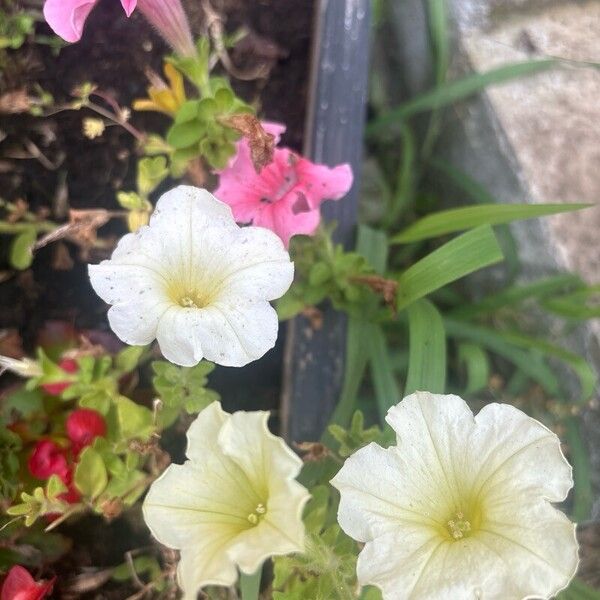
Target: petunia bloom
[(460, 507), (67, 19), (83, 426), (20, 585), (196, 282), (286, 195), (234, 502)]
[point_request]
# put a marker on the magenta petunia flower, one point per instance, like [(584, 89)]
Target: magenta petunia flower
[(286, 195), (67, 18)]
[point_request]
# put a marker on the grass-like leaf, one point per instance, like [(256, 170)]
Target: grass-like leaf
[(465, 254), (427, 349), (453, 91), (467, 217)]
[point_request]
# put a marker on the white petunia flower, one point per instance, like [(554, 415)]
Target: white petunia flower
[(460, 508), (233, 503), (196, 282)]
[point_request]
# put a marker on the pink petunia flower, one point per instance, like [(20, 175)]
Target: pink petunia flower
[(83, 427), (20, 585), (67, 18), (286, 195)]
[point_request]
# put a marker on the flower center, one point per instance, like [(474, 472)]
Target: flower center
[(459, 526), (258, 513), (191, 299)]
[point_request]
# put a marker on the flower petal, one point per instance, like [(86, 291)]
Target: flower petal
[(281, 218), (380, 493), (201, 565), (178, 335), (504, 445), (260, 267), (129, 6), (186, 208), (203, 433), (67, 17), (323, 182)]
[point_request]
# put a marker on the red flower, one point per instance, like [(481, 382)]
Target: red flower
[(68, 365), (48, 459), (20, 585), (83, 426)]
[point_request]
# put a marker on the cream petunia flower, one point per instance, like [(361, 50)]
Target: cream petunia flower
[(233, 503), (460, 508), (196, 282)]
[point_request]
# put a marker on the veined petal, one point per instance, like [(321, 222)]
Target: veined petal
[(203, 434), (67, 17), (503, 447), (380, 493), (432, 432), (136, 323), (246, 439), (537, 545), (205, 563), (192, 500)]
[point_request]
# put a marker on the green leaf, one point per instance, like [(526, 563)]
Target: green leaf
[(90, 474), (581, 304), (514, 295), (477, 365), (585, 374), (578, 590), (583, 495), (387, 393), (21, 255), (184, 135), (527, 361), (128, 358), (461, 256), (134, 421), (151, 172), (467, 217), (427, 349), (451, 92)]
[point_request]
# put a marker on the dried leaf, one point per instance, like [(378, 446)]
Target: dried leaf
[(262, 144), (81, 228), (15, 102)]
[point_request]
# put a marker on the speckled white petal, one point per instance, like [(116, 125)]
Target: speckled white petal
[(511, 452), (234, 332), (185, 208), (260, 266), (177, 336), (136, 323)]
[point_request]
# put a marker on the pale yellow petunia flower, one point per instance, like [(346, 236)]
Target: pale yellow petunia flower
[(232, 504), (460, 508)]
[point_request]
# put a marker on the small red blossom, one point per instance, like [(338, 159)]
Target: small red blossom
[(20, 585), (56, 388), (83, 426), (48, 459)]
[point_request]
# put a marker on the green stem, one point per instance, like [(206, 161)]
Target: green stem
[(250, 584)]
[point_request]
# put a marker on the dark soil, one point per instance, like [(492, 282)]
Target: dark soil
[(76, 172)]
